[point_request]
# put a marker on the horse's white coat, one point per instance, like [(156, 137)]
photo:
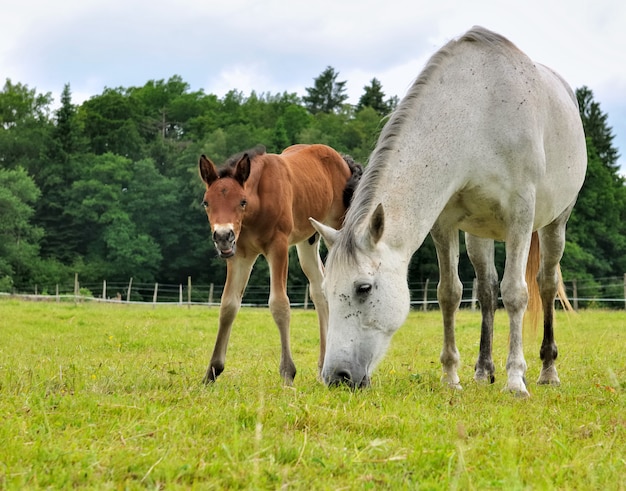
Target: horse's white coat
[(486, 141)]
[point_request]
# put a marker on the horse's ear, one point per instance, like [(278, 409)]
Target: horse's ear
[(329, 234), (377, 224), (208, 172), (242, 169)]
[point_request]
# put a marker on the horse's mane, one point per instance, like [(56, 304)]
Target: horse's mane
[(228, 168), (365, 197)]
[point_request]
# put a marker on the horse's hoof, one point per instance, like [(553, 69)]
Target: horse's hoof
[(518, 390), (483, 377), (211, 374), (549, 376), (454, 384)]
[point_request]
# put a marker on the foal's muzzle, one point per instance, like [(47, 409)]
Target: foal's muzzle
[(224, 241)]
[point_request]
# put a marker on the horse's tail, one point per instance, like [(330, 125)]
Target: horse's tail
[(356, 170), (534, 308)]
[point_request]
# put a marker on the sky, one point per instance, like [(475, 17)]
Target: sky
[(276, 46)]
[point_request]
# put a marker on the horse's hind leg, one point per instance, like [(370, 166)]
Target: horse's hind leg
[(481, 254), (237, 275), (449, 292), (312, 266), (552, 244)]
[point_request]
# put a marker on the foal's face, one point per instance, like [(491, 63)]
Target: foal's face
[(225, 202)]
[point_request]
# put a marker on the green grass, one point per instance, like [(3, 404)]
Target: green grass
[(109, 397)]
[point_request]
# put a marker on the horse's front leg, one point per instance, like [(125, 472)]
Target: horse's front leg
[(237, 274), (278, 259), (481, 254), (515, 299), (449, 292)]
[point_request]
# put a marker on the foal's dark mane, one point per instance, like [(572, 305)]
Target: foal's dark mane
[(365, 197), (228, 169)]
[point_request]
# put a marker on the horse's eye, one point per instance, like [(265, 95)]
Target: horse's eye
[(363, 289), (205, 204), (243, 203)]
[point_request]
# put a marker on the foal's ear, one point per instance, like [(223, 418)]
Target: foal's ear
[(242, 169), (208, 172), (377, 224)]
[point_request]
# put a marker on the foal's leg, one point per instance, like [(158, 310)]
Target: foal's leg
[(515, 299), (278, 259), (449, 292), (312, 266), (481, 254), (237, 275), (552, 244)]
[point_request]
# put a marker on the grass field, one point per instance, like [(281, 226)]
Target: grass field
[(109, 397)]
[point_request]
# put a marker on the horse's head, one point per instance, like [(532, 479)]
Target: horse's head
[(225, 201), (368, 299)]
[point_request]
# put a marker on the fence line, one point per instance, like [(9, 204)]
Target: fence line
[(583, 293)]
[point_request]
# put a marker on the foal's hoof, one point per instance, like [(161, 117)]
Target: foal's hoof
[(549, 376)]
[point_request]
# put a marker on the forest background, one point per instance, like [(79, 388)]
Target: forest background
[(109, 189)]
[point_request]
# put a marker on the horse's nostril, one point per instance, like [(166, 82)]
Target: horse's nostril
[(341, 377)]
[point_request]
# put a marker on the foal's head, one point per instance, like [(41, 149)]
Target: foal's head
[(225, 199)]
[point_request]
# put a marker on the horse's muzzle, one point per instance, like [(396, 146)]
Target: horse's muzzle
[(339, 377), (224, 241)]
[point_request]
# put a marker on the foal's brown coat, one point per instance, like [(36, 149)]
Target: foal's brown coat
[(260, 204)]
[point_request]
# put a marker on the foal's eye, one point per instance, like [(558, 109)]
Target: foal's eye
[(204, 204), (243, 203)]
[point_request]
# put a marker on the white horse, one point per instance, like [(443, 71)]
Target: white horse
[(488, 142)]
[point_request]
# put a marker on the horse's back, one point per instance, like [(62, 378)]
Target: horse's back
[(516, 130)]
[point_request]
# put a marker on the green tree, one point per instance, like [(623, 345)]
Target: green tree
[(56, 171), (596, 127), (374, 97), (327, 94), (19, 238), (112, 124), (596, 232), (24, 125)]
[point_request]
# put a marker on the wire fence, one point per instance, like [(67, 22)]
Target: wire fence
[(607, 293)]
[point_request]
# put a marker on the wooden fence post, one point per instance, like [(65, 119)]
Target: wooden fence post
[(130, 285), (425, 305), (180, 293), (188, 292), (76, 288), (306, 297), (104, 289), (154, 297), (575, 293), (57, 293), (211, 286)]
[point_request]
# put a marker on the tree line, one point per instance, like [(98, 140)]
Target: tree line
[(109, 188)]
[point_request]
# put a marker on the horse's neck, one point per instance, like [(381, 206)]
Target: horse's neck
[(415, 193)]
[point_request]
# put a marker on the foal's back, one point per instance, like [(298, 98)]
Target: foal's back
[(317, 178)]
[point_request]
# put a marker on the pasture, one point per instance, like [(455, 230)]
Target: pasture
[(110, 397)]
